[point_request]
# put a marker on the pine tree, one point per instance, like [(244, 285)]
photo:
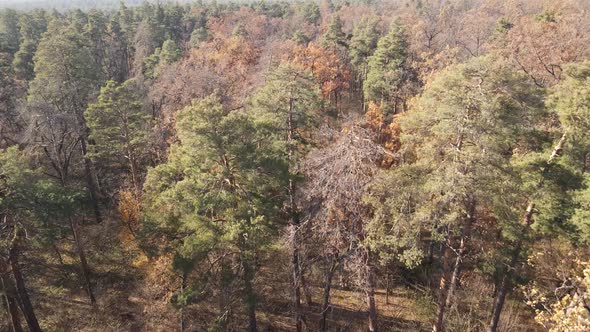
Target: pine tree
[(66, 78), (334, 36), (219, 193), (286, 105), (170, 52), (32, 26), (457, 145), (119, 127), (9, 31), (390, 78)]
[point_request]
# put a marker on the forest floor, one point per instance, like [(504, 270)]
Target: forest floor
[(133, 294)]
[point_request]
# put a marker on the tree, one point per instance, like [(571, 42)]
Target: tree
[(287, 103), (334, 36), (170, 52), (311, 12), (31, 205), (362, 45), (552, 175), (119, 127), (390, 78), (9, 32), (459, 142), (66, 77), (32, 26), (327, 67), (219, 192)]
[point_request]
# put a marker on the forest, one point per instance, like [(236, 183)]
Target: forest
[(329, 165)]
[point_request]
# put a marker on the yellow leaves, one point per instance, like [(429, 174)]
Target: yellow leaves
[(564, 308), (129, 209)]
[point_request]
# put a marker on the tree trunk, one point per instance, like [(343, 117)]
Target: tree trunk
[(306, 290), (506, 279), (182, 288), (442, 293), (370, 293), (527, 221), (294, 228), (90, 180), (387, 277), (465, 234), (249, 297), (83, 262), (14, 323), (326, 296), (21, 289)]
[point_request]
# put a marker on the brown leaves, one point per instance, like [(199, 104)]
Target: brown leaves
[(328, 68)]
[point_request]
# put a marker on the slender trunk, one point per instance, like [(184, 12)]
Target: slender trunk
[(465, 234), (294, 227), (225, 276), (306, 290), (182, 288), (504, 286), (11, 306), (370, 294), (249, 297), (442, 293), (21, 289), (387, 277), (326, 297), (90, 180), (83, 262), (506, 278), (58, 254)]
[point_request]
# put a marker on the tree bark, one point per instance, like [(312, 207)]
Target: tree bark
[(465, 234), (21, 289), (527, 220), (442, 293), (182, 288), (294, 227), (90, 180), (249, 297), (83, 262), (329, 274), (11, 305), (370, 294), (306, 290)]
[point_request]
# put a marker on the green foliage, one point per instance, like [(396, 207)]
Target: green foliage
[(570, 99), (287, 104), (220, 190), (311, 12), (364, 41), (198, 36), (170, 52), (390, 77), (39, 204), (66, 74), (334, 35), (119, 126), (9, 31), (456, 149)]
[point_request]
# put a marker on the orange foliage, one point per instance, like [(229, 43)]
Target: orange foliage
[(332, 73), (129, 209), (388, 134)]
